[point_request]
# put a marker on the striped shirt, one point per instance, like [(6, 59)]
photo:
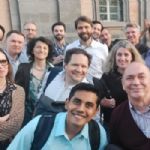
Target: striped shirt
[(142, 119)]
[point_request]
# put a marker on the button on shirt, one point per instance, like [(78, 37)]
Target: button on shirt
[(99, 53), (58, 138)]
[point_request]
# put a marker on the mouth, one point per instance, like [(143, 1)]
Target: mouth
[(78, 115)]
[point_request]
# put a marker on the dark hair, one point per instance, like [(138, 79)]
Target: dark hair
[(72, 51), (83, 19), (85, 87), (3, 30), (58, 24), (14, 31), (98, 22), (31, 44), (9, 74)]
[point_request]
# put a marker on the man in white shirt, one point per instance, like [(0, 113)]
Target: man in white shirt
[(98, 51), (76, 64)]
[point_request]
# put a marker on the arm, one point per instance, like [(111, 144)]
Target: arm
[(11, 126), (24, 138)]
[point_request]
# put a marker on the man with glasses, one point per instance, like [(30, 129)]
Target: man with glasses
[(30, 32)]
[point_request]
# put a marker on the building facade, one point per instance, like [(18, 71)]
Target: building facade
[(112, 13)]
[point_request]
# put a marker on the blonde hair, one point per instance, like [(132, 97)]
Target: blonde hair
[(111, 60)]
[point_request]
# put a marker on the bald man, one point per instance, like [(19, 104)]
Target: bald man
[(130, 122)]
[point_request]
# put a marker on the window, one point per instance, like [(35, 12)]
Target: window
[(110, 10)]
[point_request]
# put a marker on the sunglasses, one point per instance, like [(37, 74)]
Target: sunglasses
[(3, 62)]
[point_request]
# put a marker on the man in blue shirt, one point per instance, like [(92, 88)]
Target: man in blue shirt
[(70, 130)]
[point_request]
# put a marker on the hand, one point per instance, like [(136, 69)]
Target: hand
[(58, 59), (4, 118), (109, 103), (146, 24)]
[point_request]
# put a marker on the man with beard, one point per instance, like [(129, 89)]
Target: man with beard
[(58, 30), (98, 51)]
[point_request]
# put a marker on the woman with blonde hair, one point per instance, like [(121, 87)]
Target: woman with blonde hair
[(110, 86), (11, 103)]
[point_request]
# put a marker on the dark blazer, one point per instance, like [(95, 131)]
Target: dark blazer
[(124, 131), (110, 86)]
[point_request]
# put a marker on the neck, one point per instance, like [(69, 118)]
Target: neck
[(120, 70), (2, 84), (40, 64), (86, 43), (60, 43), (72, 130), (13, 56)]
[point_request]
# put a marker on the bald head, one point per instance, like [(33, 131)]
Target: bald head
[(136, 82)]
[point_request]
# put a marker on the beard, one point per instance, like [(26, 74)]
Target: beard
[(85, 36), (59, 37)]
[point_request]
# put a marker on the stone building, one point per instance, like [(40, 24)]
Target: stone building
[(113, 13)]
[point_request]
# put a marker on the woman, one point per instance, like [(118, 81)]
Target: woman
[(110, 86), (11, 103), (33, 76)]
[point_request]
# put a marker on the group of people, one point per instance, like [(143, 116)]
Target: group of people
[(68, 85)]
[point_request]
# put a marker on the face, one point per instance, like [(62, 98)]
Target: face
[(14, 44), (133, 35), (123, 58), (40, 51), (77, 68), (3, 66), (84, 30), (81, 108), (1, 35), (59, 32), (30, 31), (105, 37), (136, 82), (97, 31)]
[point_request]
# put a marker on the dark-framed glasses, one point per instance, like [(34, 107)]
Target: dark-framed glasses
[(3, 62)]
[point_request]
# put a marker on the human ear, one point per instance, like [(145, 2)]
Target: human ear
[(66, 104)]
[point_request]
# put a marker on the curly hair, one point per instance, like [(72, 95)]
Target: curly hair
[(32, 43), (111, 60)]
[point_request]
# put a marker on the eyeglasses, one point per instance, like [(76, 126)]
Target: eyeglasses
[(3, 62)]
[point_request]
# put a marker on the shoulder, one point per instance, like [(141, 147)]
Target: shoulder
[(25, 66), (73, 44)]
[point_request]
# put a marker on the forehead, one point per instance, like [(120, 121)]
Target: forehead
[(59, 27), (130, 29), (136, 69), (122, 49), (83, 23), (97, 25), (15, 36), (86, 96), (79, 58), (30, 25)]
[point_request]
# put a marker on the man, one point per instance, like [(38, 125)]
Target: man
[(132, 32), (14, 45), (70, 130), (98, 51), (30, 32), (130, 122), (76, 64), (97, 29), (59, 30)]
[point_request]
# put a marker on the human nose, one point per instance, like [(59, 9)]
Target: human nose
[(136, 81)]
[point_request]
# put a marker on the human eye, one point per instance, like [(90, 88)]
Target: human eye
[(76, 101), (89, 105)]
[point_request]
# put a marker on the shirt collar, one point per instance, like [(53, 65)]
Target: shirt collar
[(60, 130)]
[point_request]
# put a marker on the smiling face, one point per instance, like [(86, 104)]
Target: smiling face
[(3, 66), (84, 31), (136, 82), (81, 108), (14, 44), (40, 51), (133, 35), (77, 68), (123, 58), (96, 31), (59, 32)]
